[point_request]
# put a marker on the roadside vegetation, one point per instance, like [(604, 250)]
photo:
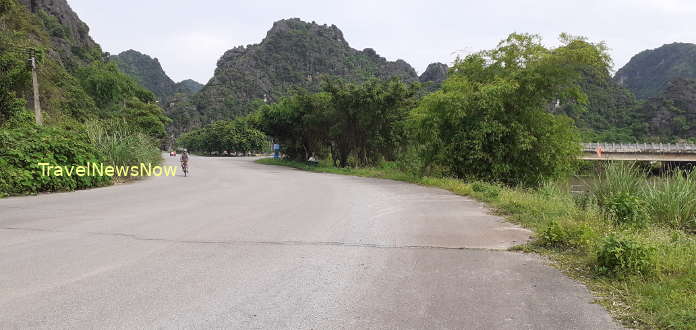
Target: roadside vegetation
[(487, 133), (92, 112), (636, 253), (233, 136)]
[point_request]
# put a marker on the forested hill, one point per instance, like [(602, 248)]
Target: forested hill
[(91, 111), (649, 72), (69, 36), (76, 80), (148, 71), (190, 85), (673, 112), (293, 54)]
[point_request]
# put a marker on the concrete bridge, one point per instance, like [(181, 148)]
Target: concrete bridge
[(662, 152)]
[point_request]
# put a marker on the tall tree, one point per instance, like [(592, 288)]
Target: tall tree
[(490, 122)]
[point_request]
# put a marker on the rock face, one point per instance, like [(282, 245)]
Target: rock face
[(69, 34), (649, 72), (147, 71), (293, 54), (436, 73), (672, 114)]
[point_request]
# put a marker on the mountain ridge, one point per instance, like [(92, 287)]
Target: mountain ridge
[(649, 72), (293, 54)]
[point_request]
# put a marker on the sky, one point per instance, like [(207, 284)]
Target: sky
[(188, 37)]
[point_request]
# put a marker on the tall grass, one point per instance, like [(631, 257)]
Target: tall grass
[(618, 178), (671, 201), (625, 191), (122, 145)]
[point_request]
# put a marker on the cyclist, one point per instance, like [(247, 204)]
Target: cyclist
[(184, 161)]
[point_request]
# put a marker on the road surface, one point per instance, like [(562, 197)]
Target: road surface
[(243, 245)]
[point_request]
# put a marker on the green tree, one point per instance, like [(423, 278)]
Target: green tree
[(233, 136), (358, 124), (490, 122)]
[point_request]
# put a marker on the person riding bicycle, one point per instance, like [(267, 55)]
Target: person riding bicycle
[(184, 159)]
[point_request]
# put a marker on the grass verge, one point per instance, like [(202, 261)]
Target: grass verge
[(645, 275)]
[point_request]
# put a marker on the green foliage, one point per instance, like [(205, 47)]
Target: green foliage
[(565, 235), (618, 179), (649, 71), (71, 93), (626, 208), (52, 25), (487, 190), (294, 54), (621, 255), (359, 124), (147, 71), (301, 123), (672, 201), (489, 121), (148, 118), (107, 86), (22, 149), (233, 136), (122, 145), (675, 107)]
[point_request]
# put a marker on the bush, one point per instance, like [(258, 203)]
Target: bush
[(488, 190), (565, 235), (490, 120), (625, 208), (622, 255), (22, 149)]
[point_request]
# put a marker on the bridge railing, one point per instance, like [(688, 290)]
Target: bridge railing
[(657, 148)]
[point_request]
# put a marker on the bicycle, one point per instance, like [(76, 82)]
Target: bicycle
[(184, 166)]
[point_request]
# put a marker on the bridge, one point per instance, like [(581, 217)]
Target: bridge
[(662, 152)]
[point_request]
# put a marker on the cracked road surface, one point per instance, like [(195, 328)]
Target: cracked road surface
[(242, 245)]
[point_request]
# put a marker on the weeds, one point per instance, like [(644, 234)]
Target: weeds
[(672, 201), (621, 255), (121, 145)]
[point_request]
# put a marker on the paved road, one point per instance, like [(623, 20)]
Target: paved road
[(242, 245)]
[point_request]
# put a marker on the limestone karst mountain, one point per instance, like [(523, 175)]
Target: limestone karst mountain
[(294, 54), (650, 71)]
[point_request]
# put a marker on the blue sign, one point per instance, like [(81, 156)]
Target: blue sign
[(276, 149)]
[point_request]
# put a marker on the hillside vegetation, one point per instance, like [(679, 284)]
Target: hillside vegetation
[(77, 85)]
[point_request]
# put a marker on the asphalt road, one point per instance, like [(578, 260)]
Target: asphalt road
[(242, 245)]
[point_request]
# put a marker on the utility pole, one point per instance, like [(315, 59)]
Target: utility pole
[(35, 82)]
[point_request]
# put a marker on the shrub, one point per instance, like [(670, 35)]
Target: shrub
[(565, 235), (622, 255), (22, 149), (488, 190), (625, 208)]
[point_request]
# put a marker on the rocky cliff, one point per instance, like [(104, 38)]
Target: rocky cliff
[(146, 70), (294, 54), (649, 72), (69, 35)]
